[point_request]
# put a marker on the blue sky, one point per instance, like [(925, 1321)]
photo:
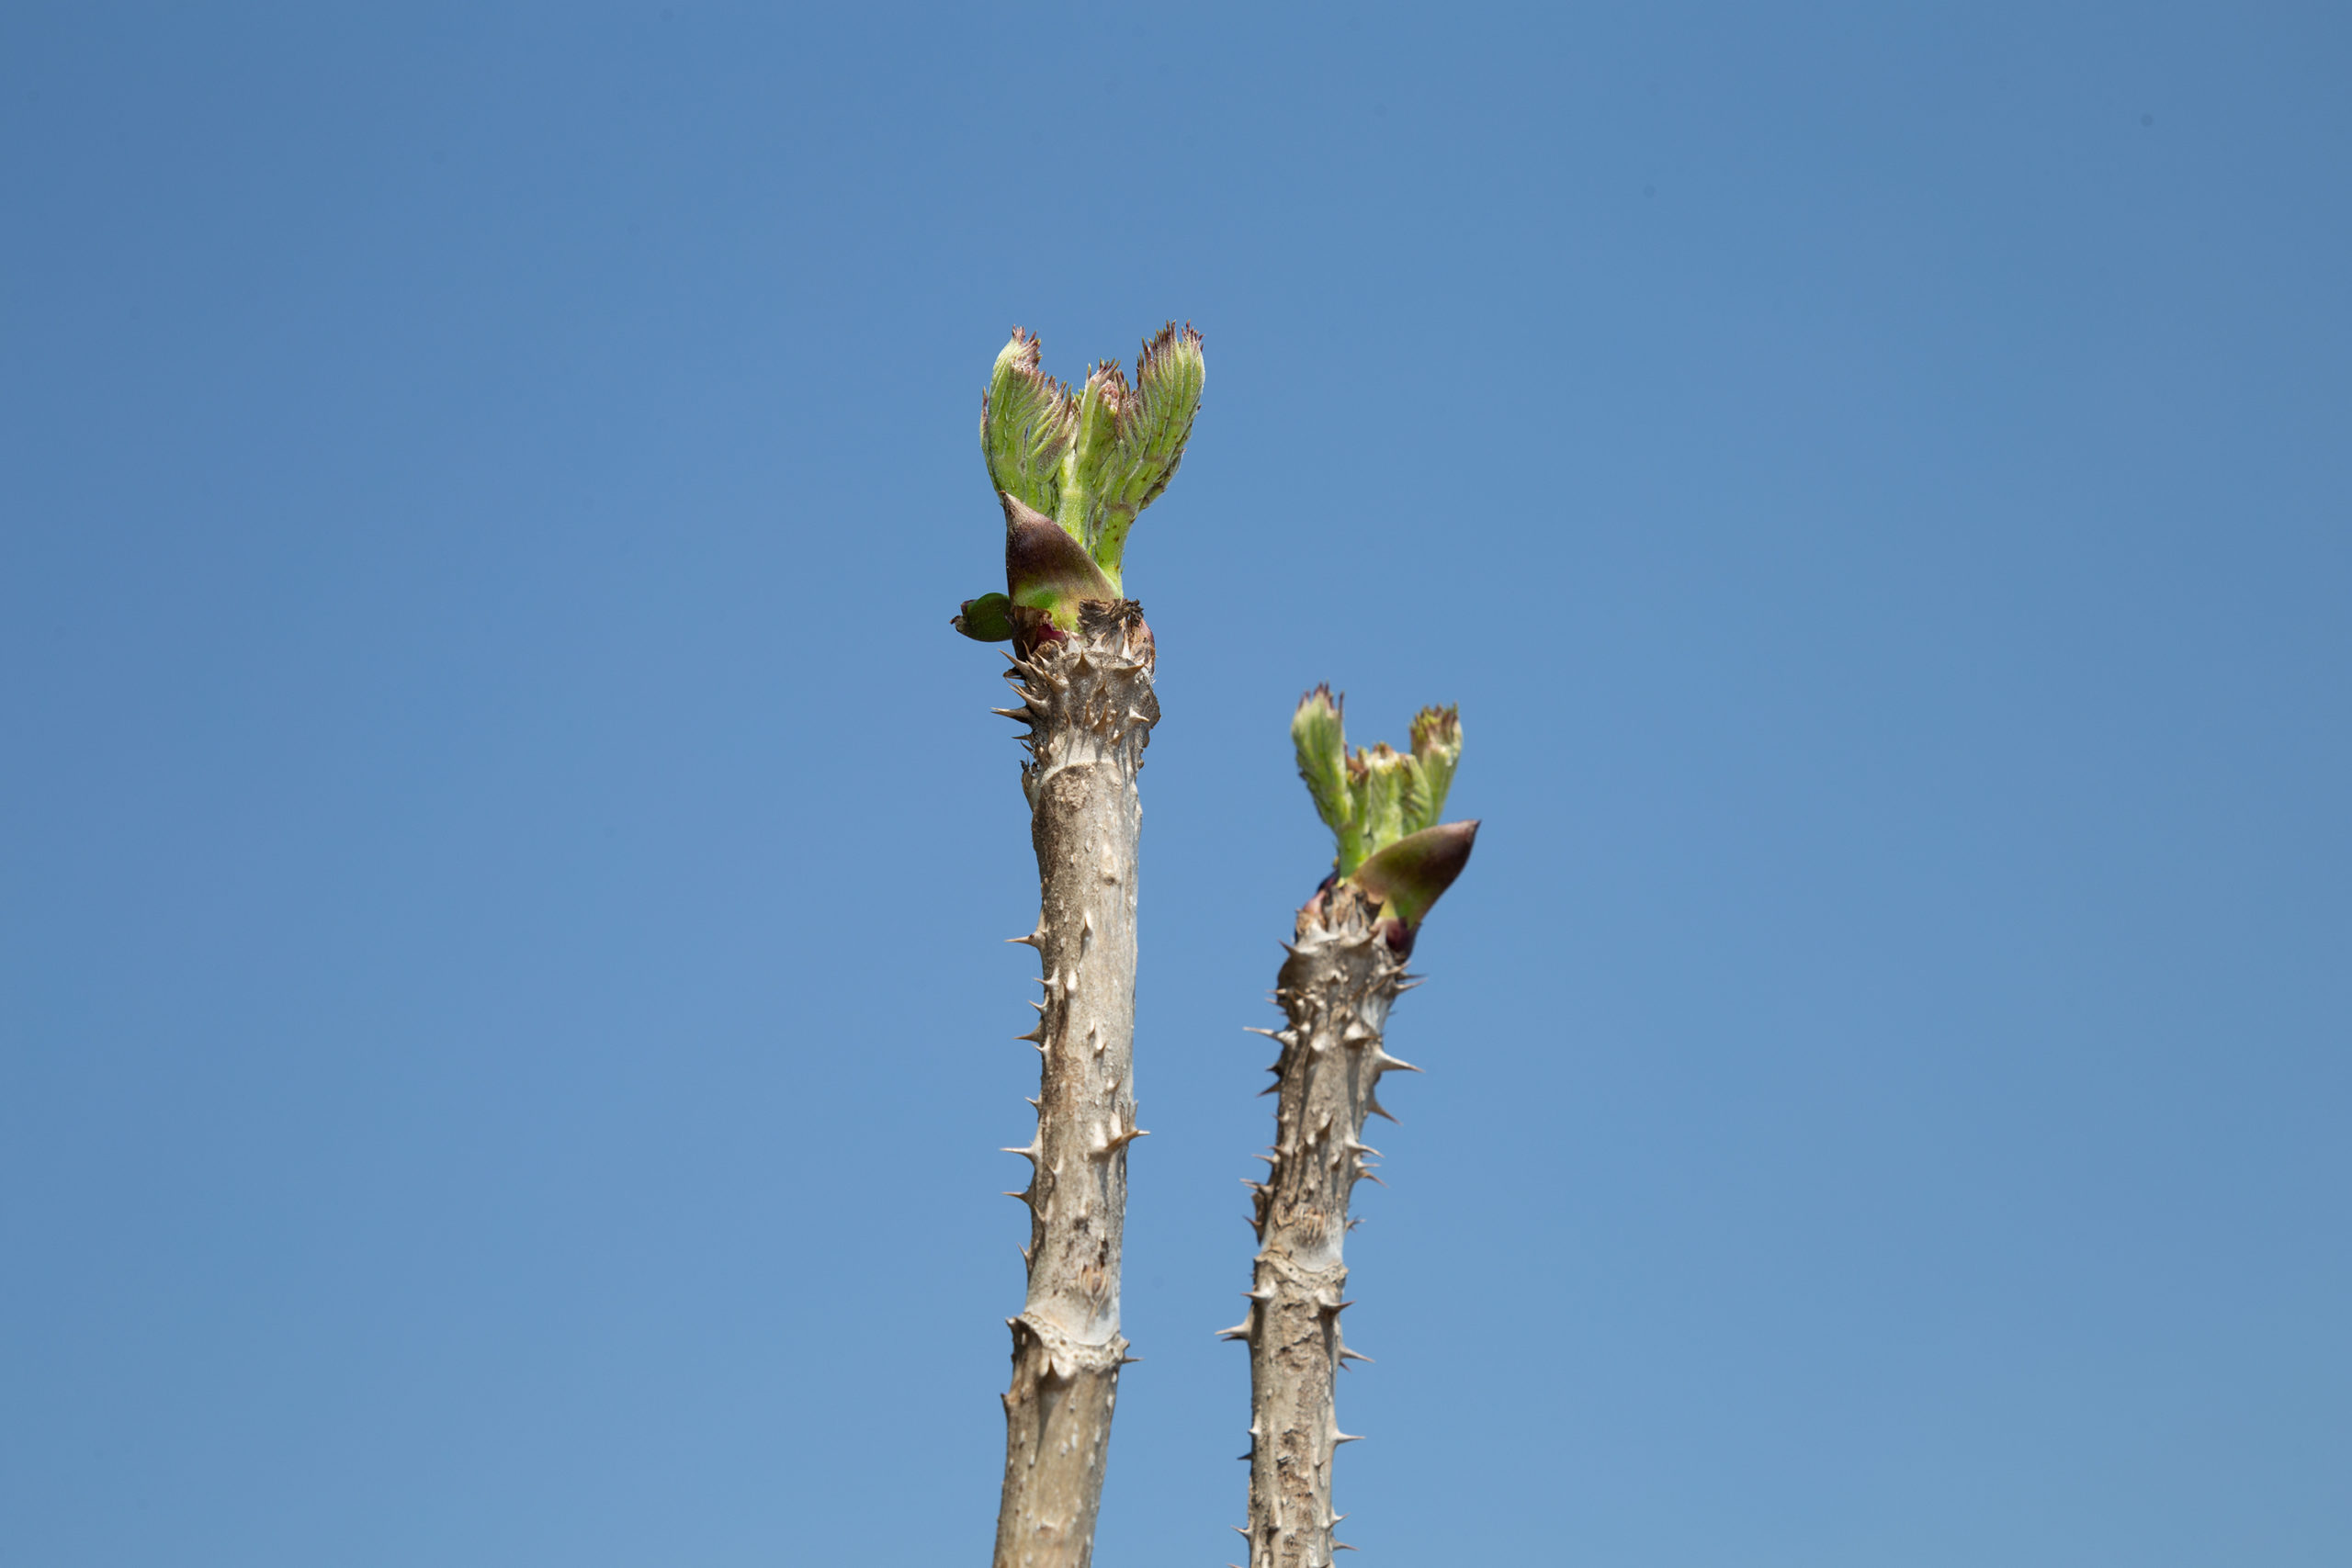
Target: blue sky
[(503, 1029)]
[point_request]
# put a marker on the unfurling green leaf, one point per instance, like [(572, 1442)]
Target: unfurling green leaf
[(1130, 441), (1412, 873), (1437, 747), (1380, 779), (1026, 421), (1322, 740), (988, 619)]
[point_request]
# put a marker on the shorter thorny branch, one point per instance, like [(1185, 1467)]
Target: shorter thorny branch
[(1335, 990), (1087, 698)]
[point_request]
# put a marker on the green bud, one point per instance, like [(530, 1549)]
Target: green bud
[(1094, 459), (1382, 805), (988, 619)]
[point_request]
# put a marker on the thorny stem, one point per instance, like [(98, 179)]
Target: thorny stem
[(1335, 990), (1088, 702)]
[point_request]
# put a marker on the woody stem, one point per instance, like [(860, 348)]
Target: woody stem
[(1088, 701)]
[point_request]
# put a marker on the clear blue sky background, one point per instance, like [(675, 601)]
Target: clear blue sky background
[(505, 1025)]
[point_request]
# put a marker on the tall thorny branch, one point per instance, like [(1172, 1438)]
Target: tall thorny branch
[(1071, 472), (1089, 703), (1344, 968)]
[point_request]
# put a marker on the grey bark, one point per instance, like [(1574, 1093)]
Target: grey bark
[(1335, 988), (1089, 706)]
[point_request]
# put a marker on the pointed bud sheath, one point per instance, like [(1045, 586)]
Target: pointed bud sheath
[(1413, 874), (1044, 569)]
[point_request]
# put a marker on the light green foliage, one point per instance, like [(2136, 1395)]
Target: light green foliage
[(1093, 459), (1143, 432), (1374, 798)]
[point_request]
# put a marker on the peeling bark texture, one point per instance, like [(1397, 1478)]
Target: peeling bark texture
[(1335, 988), (1088, 702)]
